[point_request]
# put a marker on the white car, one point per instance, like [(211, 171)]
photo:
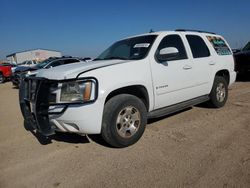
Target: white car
[(28, 63), (137, 78)]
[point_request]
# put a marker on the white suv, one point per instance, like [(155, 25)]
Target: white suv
[(137, 78)]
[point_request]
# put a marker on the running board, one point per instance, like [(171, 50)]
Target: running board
[(177, 107)]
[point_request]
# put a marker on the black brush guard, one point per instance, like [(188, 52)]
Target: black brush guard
[(34, 104), (34, 99)]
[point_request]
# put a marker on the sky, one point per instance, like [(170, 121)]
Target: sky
[(86, 28)]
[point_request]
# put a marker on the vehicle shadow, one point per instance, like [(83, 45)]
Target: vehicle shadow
[(97, 138), (15, 87), (153, 120), (66, 137), (59, 136)]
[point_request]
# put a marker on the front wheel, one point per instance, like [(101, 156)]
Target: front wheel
[(124, 120), (219, 92)]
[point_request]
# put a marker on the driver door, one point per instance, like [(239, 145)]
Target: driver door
[(173, 78)]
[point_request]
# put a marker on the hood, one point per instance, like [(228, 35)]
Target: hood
[(72, 70)]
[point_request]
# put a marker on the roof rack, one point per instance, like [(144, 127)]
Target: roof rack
[(199, 31)]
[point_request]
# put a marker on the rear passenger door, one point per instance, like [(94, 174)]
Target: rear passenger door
[(202, 63)]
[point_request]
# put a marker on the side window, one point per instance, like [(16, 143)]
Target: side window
[(219, 45), (198, 46), (55, 63), (174, 41)]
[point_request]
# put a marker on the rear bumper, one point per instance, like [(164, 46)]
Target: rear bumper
[(232, 77)]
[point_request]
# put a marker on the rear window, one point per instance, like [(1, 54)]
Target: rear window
[(219, 45)]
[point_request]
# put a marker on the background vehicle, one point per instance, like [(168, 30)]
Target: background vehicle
[(5, 72), (137, 78), (28, 63), (23, 65), (242, 60), (46, 64)]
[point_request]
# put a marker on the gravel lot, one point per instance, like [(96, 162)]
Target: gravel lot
[(199, 147)]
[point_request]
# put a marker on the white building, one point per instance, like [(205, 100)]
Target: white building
[(36, 54)]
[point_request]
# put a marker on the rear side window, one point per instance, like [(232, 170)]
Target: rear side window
[(219, 45), (198, 46)]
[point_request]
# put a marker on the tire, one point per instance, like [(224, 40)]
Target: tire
[(219, 93), (124, 120), (1, 78)]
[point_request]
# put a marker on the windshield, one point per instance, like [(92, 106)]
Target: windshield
[(42, 64), (247, 47), (132, 48)]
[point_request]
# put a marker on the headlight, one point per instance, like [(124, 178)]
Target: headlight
[(77, 91)]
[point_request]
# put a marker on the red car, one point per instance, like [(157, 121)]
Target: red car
[(5, 72)]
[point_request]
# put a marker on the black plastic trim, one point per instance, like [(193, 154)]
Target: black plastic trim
[(177, 107), (193, 30)]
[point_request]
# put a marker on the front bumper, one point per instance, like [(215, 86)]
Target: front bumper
[(81, 118)]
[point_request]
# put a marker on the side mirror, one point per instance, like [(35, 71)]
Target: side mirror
[(167, 54)]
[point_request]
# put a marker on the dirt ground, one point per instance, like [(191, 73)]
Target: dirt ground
[(199, 147)]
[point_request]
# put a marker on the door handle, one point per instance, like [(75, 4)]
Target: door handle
[(211, 63), (186, 67)]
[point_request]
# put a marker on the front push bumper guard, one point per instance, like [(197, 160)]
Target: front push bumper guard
[(34, 96)]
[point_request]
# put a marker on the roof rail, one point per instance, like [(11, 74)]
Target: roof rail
[(199, 31)]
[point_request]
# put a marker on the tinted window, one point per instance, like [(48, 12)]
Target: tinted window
[(55, 63), (173, 41), (219, 45), (198, 47), (247, 47), (132, 48), (67, 61)]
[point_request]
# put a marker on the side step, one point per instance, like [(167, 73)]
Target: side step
[(177, 107)]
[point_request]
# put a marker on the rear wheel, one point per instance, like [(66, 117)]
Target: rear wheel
[(1, 78), (219, 92), (124, 120)]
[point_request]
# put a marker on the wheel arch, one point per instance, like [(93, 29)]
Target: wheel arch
[(225, 74), (139, 91)]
